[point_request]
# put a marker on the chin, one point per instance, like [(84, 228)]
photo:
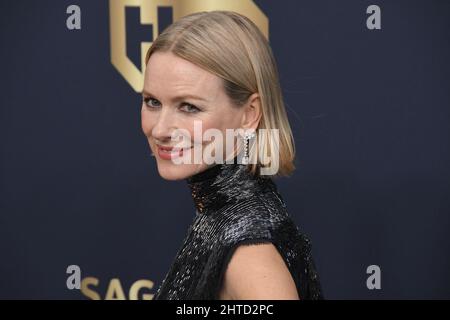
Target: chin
[(170, 171)]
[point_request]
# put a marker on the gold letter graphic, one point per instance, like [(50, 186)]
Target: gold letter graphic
[(148, 15)]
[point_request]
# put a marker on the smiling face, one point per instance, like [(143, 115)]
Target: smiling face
[(177, 93)]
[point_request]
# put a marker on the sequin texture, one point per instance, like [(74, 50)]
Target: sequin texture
[(234, 207)]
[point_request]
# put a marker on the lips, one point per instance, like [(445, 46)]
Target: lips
[(167, 152)]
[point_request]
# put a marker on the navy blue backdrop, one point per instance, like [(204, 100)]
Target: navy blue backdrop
[(370, 110)]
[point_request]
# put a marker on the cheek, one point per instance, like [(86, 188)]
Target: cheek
[(147, 121), (190, 131), (222, 122), (215, 124)]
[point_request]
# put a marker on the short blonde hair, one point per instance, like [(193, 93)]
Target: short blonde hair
[(232, 47)]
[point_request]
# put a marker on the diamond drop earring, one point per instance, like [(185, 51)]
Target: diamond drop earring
[(247, 137)]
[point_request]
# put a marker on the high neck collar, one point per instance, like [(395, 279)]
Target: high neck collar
[(222, 184)]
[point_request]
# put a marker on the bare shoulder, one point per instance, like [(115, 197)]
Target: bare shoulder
[(257, 271)]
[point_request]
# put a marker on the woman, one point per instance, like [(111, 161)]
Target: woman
[(213, 72)]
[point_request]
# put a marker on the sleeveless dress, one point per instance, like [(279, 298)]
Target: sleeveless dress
[(234, 207)]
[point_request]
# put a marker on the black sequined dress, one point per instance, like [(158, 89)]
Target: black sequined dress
[(233, 207)]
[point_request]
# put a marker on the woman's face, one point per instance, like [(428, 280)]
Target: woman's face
[(177, 93)]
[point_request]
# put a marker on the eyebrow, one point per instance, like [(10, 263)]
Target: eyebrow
[(181, 97)]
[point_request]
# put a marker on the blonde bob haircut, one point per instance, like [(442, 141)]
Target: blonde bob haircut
[(232, 47)]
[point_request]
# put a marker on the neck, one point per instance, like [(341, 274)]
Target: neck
[(223, 184)]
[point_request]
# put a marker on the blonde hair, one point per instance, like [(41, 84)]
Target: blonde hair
[(232, 47)]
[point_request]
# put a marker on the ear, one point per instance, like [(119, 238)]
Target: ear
[(252, 112)]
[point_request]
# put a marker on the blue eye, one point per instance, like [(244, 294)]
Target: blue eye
[(149, 102), (189, 108), (185, 107)]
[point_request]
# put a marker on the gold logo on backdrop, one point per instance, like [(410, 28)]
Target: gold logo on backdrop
[(139, 290), (133, 74)]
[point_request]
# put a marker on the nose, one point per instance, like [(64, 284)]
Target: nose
[(164, 125)]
